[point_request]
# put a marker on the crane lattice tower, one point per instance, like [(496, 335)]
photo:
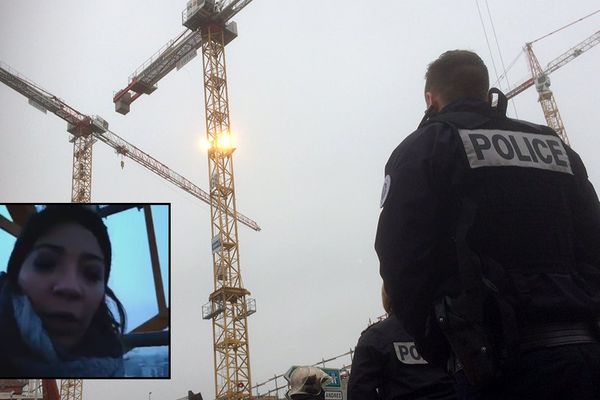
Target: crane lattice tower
[(81, 187), (228, 301), (71, 389), (546, 98)]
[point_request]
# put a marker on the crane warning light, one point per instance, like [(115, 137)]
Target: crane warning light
[(224, 143)]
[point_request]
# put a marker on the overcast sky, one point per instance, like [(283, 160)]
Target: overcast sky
[(320, 93)]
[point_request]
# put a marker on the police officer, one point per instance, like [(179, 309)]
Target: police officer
[(523, 202), (387, 366)]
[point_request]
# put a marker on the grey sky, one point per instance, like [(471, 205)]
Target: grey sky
[(320, 94)]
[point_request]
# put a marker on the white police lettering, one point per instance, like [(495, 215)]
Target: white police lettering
[(387, 183), (497, 148), (407, 353)]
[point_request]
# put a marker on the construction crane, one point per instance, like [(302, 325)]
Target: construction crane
[(71, 389), (92, 128), (198, 16), (210, 27), (541, 80), (78, 127)]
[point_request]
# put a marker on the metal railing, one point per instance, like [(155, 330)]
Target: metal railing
[(154, 57)]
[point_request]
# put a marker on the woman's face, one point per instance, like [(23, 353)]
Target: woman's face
[(63, 276)]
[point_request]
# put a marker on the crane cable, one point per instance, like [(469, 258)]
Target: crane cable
[(512, 64), (486, 38), (505, 72), (566, 26)]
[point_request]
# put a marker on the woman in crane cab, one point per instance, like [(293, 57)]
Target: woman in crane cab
[(54, 314)]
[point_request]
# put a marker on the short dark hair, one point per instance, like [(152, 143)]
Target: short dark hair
[(458, 74), (39, 223)]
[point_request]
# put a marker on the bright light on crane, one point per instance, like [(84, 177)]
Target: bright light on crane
[(97, 129), (225, 142)]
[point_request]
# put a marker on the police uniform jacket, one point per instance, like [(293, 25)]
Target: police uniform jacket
[(536, 214), (387, 366)]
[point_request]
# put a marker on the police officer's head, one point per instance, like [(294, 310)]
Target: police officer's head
[(454, 75)]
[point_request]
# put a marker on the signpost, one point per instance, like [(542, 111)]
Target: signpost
[(333, 390)]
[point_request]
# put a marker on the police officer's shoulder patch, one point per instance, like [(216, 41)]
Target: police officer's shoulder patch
[(499, 148), (387, 183)]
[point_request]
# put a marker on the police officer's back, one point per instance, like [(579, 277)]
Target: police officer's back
[(472, 192)]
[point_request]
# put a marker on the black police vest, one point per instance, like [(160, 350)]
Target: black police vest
[(519, 175)]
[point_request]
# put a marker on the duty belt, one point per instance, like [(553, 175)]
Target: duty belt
[(557, 334)]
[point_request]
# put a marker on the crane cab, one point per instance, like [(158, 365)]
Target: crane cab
[(87, 125), (198, 13), (542, 83), (99, 124)]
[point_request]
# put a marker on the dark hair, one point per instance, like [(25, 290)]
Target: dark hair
[(40, 223), (457, 74)]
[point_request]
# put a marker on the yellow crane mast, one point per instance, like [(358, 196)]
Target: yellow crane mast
[(71, 389), (229, 306), (81, 187), (546, 98)]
